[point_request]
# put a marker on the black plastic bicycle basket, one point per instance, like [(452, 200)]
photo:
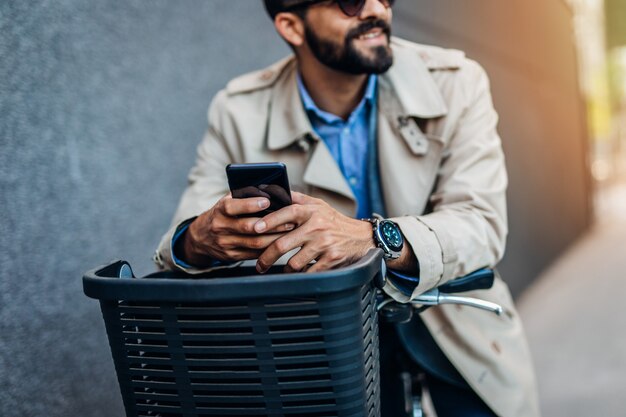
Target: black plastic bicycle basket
[(233, 343)]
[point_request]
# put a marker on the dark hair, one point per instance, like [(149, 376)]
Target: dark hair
[(274, 7)]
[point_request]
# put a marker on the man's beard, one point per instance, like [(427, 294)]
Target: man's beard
[(346, 58)]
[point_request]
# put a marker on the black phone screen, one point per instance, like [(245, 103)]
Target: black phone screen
[(260, 180)]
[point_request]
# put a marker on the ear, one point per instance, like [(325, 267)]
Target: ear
[(290, 27)]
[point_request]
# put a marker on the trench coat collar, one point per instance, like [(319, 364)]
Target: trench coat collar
[(409, 80), (288, 121), (413, 85)]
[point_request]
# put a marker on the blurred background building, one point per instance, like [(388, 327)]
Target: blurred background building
[(103, 103), (600, 33)]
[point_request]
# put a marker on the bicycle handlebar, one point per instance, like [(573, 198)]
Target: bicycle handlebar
[(483, 279)]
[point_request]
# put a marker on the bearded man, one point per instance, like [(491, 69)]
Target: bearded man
[(366, 124)]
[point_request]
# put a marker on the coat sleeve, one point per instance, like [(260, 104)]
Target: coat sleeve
[(467, 227), (207, 183)]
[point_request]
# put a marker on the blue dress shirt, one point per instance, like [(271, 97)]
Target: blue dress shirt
[(347, 140)]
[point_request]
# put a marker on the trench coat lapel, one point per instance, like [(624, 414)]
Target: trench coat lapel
[(408, 92), (413, 84), (289, 125), (288, 122)]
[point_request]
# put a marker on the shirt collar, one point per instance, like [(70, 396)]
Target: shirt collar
[(409, 81), (310, 106)]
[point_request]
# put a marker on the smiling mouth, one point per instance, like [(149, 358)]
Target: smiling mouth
[(372, 34)]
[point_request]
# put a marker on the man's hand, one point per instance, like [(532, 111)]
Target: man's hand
[(322, 234), (218, 234)]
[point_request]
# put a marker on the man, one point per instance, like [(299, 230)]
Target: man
[(368, 124)]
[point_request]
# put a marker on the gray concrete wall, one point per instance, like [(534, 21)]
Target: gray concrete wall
[(102, 104)]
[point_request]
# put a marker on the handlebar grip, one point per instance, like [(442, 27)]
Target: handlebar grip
[(480, 280)]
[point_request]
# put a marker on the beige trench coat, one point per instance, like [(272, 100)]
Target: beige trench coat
[(443, 178)]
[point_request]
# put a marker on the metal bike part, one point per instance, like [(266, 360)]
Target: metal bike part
[(417, 407), (434, 297), (390, 311), (412, 399)]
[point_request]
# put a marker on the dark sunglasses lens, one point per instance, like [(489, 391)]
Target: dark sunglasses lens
[(351, 7), (354, 7)]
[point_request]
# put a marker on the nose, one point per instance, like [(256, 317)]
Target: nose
[(374, 9)]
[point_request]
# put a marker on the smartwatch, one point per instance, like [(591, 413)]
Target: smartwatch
[(388, 237)]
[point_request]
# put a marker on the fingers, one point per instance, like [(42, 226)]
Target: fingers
[(256, 243), (239, 206), (318, 267), (325, 259), (324, 265), (282, 228), (244, 226), (294, 214), (240, 255), (277, 193), (278, 248), (289, 217), (301, 260), (249, 191)]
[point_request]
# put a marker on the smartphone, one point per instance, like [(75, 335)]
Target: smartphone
[(260, 180)]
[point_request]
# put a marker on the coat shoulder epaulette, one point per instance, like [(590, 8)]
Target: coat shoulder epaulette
[(257, 80), (434, 57)]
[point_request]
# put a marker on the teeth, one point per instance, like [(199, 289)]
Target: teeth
[(370, 35)]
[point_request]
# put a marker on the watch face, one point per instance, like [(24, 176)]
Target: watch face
[(392, 235)]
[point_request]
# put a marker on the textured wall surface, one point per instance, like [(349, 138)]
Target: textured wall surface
[(102, 104)]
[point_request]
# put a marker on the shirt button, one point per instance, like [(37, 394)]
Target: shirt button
[(346, 131), (353, 181)]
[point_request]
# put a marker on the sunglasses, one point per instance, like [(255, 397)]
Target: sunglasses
[(350, 8)]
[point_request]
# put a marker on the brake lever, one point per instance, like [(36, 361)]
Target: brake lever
[(435, 297)]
